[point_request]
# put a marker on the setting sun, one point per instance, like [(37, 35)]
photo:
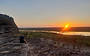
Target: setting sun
[(66, 26)]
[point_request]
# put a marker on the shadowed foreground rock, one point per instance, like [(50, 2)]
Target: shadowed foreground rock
[(49, 47), (7, 39)]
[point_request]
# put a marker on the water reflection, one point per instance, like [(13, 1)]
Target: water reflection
[(65, 33), (77, 33)]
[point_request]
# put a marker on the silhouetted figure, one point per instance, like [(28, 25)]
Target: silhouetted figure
[(25, 47), (22, 40)]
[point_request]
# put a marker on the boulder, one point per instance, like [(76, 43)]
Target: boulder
[(7, 24), (8, 30)]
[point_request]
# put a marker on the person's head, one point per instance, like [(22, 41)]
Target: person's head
[(21, 37)]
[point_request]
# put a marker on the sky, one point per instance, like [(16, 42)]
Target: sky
[(47, 13)]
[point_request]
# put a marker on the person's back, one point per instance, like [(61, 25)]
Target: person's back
[(25, 47), (22, 39)]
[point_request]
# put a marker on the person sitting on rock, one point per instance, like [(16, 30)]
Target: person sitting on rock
[(25, 47), (22, 40)]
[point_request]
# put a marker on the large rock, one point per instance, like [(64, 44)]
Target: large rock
[(7, 24), (8, 30)]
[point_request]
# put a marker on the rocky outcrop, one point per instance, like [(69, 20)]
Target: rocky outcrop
[(8, 29), (49, 47), (7, 24)]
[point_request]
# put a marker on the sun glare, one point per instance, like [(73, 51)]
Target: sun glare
[(66, 26)]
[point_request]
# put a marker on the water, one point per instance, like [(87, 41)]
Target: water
[(64, 33), (71, 33), (76, 33)]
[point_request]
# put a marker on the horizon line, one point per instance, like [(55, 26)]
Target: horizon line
[(55, 27)]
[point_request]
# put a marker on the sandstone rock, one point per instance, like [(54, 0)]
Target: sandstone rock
[(46, 47), (8, 29), (7, 24)]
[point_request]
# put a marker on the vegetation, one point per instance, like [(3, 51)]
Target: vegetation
[(71, 39)]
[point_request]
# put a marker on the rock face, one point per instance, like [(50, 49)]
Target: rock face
[(50, 47), (7, 30), (7, 24)]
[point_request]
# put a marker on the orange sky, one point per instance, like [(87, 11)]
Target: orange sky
[(48, 13)]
